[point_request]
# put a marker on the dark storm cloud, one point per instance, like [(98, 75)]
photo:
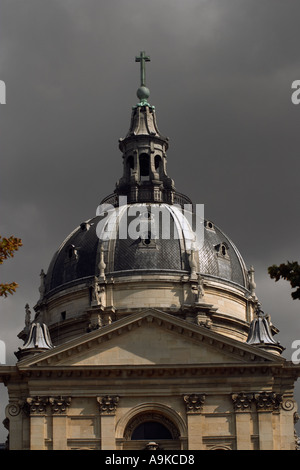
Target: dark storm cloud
[(220, 77)]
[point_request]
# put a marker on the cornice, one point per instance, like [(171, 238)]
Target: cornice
[(152, 371), (236, 350), (173, 373)]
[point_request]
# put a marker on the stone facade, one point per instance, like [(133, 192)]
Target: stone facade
[(209, 391)]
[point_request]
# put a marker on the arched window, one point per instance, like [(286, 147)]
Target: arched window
[(157, 161), (144, 167), (151, 430), (158, 165), (130, 165), (152, 426)]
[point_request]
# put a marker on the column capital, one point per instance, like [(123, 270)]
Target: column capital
[(108, 404), (242, 401), (194, 403), (37, 405), (267, 401), (59, 404)]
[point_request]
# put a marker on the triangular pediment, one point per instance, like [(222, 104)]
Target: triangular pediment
[(150, 337)]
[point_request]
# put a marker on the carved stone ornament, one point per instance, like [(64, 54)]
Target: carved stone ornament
[(267, 401), (37, 405), (13, 409), (242, 401), (194, 403), (108, 404), (59, 404), (288, 404), (95, 322)]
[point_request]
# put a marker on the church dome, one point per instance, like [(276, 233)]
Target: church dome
[(125, 259), (78, 257)]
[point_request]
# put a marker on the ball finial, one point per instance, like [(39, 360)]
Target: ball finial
[(143, 93)]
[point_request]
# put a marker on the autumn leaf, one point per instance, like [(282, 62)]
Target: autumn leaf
[(8, 246)]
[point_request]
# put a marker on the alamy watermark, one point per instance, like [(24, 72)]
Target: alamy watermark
[(296, 94), (150, 222), (295, 358), (2, 352), (2, 92)]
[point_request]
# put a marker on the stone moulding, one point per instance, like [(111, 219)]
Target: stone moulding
[(153, 371)]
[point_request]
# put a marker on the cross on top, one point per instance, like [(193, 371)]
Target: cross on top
[(142, 59)]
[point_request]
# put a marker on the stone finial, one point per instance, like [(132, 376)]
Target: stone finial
[(252, 284), (102, 264), (95, 292), (42, 284), (98, 294), (193, 265), (200, 288), (27, 316)]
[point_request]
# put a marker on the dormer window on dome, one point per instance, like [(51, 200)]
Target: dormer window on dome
[(209, 225), (222, 250), (71, 253)]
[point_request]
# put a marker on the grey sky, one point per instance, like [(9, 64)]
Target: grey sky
[(220, 78)]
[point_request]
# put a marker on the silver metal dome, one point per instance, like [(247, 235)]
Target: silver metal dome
[(78, 257)]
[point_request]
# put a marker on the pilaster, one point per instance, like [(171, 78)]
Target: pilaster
[(242, 408), (59, 407), (37, 411), (107, 409), (14, 415), (266, 404), (195, 420)]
